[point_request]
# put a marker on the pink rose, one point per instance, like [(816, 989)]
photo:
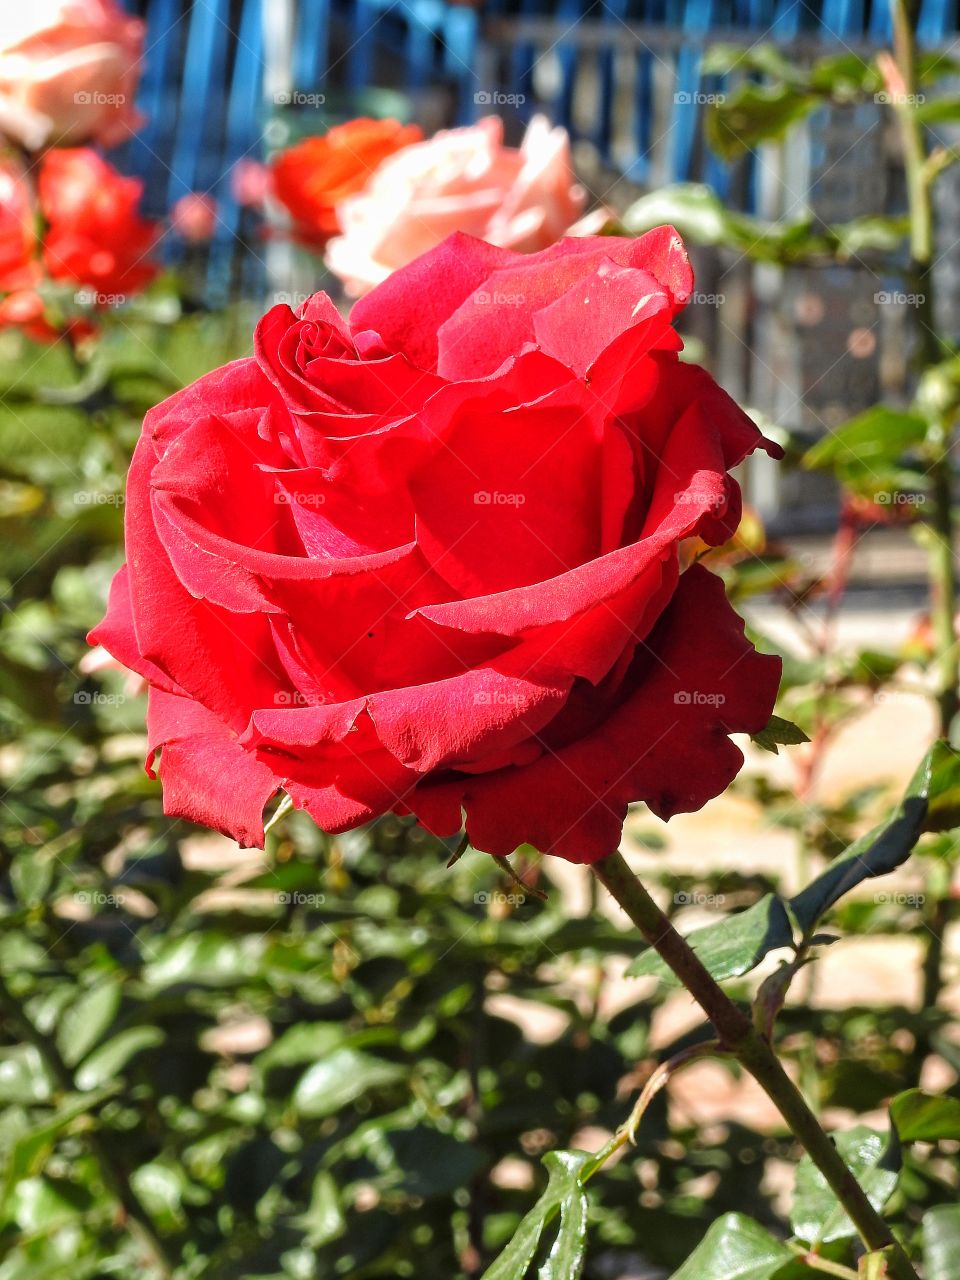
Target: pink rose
[(194, 217), (68, 71), (460, 180)]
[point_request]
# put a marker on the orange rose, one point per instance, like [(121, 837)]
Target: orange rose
[(68, 71), (311, 178)]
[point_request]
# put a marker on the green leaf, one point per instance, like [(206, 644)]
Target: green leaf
[(737, 1248), (874, 1160), (105, 1063), (943, 806), (323, 1220), (86, 1020), (779, 733), (924, 1117), (941, 1242), (731, 947), (866, 452), (756, 113), (564, 1194), (878, 852), (342, 1078)]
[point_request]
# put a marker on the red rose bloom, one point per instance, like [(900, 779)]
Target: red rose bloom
[(311, 178), (96, 236), (426, 561)]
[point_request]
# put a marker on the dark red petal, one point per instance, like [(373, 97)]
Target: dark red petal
[(696, 680)]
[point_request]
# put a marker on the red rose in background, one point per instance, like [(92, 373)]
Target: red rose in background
[(310, 179), (427, 561), (18, 236), (96, 235)]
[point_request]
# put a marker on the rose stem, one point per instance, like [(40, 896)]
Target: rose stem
[(137, 1219), (753, 1051)]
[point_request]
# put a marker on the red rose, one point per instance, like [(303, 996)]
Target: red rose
[(96, 236), (427, 561)]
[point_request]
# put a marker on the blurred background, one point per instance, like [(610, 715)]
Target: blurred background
[(339, 1057)]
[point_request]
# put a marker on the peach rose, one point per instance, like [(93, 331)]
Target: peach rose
[(68, 71), (460, 180)]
